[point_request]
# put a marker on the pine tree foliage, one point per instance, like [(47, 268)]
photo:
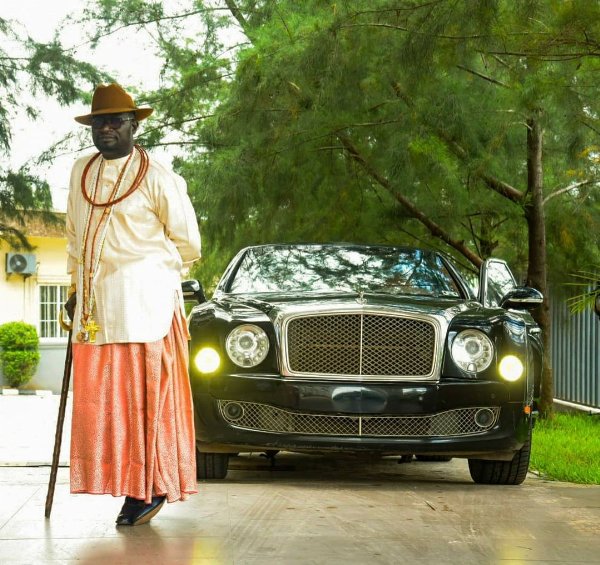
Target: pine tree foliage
[(468, 125), (28, 68), (435, 98)]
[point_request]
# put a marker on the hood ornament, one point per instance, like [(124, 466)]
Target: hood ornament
[(361, 298)]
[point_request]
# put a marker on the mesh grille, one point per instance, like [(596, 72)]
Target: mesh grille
[(361, 344), (265, 418)]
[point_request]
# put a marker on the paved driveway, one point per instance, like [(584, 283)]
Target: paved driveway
[(310, 510), (306, 510)]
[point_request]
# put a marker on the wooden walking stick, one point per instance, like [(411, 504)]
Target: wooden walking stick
[(59, 425)]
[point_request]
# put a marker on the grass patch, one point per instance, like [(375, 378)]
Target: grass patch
[(567, 448)]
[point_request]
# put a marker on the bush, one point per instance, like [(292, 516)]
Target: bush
[(20, 355), (19, 366)]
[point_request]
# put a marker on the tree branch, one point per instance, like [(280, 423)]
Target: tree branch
[(502, 187), (397, 9), (499, 186), (568, 188), (590, 126), (434, 228), (237, 14), (484, 77), (451, 37), (140, 23), (492, 182)]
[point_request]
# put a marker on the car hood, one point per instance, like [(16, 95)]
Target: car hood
[(272, 307)]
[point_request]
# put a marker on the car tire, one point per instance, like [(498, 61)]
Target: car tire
[(440, 458), (511, 472), (211, 465)]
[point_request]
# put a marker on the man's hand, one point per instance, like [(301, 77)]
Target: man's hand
[(70, 305)]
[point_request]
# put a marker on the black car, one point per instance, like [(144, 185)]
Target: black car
[(333, 348)]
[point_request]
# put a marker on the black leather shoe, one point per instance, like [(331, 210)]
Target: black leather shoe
[(149, 510), (129, 511)]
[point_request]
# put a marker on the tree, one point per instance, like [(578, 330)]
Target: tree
[(467, 125), (28, 67)]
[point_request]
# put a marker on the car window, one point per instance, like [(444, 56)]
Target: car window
[(342, 269), (472, 281), (499, 281)]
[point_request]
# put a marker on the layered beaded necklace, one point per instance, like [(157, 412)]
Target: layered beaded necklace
[(94, 236)]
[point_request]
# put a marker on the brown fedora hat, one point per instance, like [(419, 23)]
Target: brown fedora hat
[(112, 99)]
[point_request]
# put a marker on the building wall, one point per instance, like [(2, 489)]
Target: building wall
[(20, 301)]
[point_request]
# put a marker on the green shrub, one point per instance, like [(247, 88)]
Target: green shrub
[(18, 335), (20, 355), (19, 366)]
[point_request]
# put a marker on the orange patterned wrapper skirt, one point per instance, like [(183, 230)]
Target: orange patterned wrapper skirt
[(133, 424)]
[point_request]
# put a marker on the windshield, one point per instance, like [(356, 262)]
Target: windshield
[(322, 268)]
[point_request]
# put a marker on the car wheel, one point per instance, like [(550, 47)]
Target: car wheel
[(511, 472), (211, 465), (441, 458)]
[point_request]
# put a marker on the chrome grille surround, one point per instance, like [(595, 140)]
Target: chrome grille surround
[(362, 343), (270, 419)]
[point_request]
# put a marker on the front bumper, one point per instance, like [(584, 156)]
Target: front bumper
[(355, 404)]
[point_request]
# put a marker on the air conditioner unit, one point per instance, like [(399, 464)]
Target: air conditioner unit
[(21, 263)]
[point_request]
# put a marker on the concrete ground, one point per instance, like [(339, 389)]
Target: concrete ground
[(28, 428), (305, 510)]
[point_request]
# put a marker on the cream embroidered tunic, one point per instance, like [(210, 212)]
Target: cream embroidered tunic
[(151, 236)]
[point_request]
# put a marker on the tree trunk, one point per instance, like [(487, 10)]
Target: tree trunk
[(537, 268)]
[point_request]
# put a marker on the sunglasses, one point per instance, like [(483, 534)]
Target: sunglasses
[(113, 122)]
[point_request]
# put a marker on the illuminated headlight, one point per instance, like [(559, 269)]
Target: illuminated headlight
[(472, 351), (247, 345), (207, 360), (511, 368)]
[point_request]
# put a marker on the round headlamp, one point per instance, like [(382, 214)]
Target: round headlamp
[(247, 345), (472, 351)]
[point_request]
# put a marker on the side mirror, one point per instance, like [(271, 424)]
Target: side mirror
[(522, 298), (597, 305), (192, 290)]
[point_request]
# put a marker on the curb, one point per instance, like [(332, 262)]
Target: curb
[(566, 406), (19, 392), (61, 464)]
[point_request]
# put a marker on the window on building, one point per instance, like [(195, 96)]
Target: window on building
[(52, 297)]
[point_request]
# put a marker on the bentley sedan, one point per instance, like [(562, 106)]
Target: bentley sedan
[(333, 348)]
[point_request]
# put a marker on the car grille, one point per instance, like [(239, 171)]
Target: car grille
[(361, 344), (265, 418)]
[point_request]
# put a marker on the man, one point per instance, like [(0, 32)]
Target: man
[(131, 229)]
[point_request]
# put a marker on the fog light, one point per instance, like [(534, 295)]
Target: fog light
[(207, 360), (484, 417), (511, 368), (233, 411)]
